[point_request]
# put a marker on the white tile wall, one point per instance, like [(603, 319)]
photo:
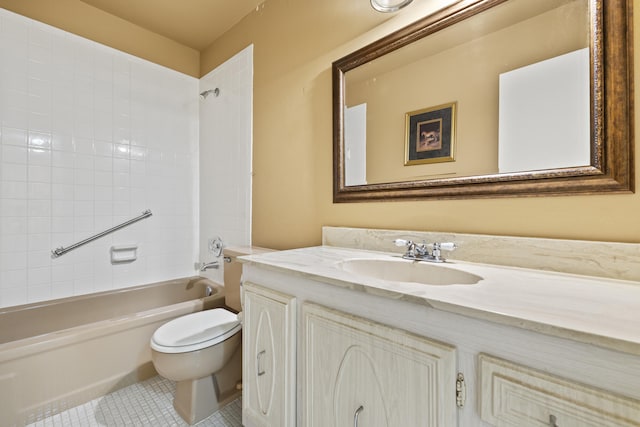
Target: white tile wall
[(225, 156), (91, 137)]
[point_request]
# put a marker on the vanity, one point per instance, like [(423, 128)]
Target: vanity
[(350, 334)]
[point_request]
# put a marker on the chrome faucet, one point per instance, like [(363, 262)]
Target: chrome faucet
[(207, 265), (420, 252)]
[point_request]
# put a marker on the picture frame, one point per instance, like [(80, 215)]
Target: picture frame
[(430, 135)]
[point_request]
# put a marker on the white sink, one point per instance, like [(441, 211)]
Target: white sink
[(401, 270)]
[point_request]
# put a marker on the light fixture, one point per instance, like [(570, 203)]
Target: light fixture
[(389, 5)]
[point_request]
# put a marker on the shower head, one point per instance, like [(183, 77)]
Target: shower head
[(208, 92)]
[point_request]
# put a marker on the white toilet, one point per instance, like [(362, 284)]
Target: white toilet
[(202, 351)]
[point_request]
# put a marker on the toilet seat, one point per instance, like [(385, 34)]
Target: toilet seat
[(195, 331)]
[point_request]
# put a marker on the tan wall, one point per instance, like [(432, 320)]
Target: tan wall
[(292, 194), (87, 21)]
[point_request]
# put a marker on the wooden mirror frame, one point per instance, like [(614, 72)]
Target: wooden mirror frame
[(611, 110)]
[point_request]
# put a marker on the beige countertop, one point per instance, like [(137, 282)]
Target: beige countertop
[(599, 311)]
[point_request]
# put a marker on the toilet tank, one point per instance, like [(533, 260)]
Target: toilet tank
[(233, 272)]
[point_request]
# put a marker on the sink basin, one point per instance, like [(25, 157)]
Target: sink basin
[(401, 270)]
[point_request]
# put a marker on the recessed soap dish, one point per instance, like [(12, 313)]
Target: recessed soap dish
[(124, 253)]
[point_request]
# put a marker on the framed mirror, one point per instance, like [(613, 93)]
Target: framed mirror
[(489, 98)]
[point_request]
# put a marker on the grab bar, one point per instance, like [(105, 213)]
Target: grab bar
[(62, 250)]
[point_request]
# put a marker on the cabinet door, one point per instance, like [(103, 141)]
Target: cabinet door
[(517, 396), (268, 366), (360, 373)]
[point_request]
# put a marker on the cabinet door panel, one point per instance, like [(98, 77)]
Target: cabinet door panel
[(268, 358), (518, 396), (399, 379), (263, 357), (349, 394)]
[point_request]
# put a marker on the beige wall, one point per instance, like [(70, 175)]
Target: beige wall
[(295, 43), (87, 21), (292, 193)]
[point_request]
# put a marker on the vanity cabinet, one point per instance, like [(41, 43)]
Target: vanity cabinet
[(346, 353), (268, 366), (361, 373)]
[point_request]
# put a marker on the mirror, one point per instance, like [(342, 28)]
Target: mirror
[(489, 98)]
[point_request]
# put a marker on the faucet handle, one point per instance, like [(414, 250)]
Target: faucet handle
[(402, 242), (447, 246), (437, 247)]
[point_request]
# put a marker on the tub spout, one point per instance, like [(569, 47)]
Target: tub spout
[(207, 265)]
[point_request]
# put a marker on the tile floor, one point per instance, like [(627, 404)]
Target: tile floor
[(148, 403)]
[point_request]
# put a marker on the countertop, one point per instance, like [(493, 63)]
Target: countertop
[(599, 311)]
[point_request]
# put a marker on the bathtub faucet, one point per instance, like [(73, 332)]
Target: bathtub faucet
[(207, 265)]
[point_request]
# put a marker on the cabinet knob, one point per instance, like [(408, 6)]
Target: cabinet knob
[(552, 421), (356, 414)]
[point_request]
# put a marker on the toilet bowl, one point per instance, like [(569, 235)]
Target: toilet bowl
[(192, 350)]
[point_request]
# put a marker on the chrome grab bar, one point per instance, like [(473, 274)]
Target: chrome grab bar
[(62, 250)]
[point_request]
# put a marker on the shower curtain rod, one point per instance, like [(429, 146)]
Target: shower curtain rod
[(62, 250)]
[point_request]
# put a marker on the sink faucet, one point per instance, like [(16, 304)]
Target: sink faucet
[(420, 252), (207, 265)]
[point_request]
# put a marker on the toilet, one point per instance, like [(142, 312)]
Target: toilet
[(202, 351)]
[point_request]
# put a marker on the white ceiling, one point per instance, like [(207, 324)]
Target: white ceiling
[(193, 23)]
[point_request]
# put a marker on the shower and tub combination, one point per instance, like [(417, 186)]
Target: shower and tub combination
[(58, 354), (61, 353)]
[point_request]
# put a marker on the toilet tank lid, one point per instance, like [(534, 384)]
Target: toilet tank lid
[(208, 326)]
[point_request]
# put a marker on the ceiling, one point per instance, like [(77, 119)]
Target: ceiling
[(193, 23)]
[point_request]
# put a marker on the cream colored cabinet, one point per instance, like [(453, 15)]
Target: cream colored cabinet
[(515, 395), (269, 349), (361, 373), (355, 363)]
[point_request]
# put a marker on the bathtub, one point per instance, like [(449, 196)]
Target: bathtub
[(61, 353)]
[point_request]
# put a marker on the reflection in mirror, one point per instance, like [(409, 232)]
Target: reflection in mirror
[(526, 79)]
